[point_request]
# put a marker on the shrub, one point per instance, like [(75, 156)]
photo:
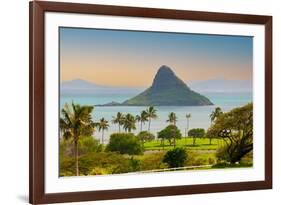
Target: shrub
[(89, 144), (152, 161), (98, 171), (134, 164), (124, 143), (86, 144), (96, 163), (175, 157)]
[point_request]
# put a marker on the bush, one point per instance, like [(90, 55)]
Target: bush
[(96, 163), (124, 143), (175, 157), (152, 161), (198, 158), (98, 171), (134, 165), (86, 144)]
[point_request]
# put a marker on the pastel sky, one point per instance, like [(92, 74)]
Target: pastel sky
[(131, 58)]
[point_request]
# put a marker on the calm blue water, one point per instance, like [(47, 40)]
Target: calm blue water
[(199, 114)]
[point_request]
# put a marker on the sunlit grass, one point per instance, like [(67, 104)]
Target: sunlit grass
[(201, 144)]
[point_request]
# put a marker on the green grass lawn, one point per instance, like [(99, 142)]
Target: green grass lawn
[(201, 144)]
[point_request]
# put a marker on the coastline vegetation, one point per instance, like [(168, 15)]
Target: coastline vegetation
[(227, 143)]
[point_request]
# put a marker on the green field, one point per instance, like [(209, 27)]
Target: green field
[(201, 144)]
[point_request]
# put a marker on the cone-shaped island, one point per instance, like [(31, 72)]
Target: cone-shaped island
[(168, 89)]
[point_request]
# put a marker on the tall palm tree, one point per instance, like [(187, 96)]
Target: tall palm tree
[(76, 121), (215, 114), (129, 123), (138, 119), (142, 118), (151, 114), (188, 116), (172, 118), (102, 125), (119, 119)]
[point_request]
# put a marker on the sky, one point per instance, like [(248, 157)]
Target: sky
[(132, 58)]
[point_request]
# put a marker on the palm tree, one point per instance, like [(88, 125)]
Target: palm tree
[(119, 119), (138, 119), (151, 114), (188, 116), (172, 118), (76, 121), (214, 115), (129, 122), (102, 125), (142, 118)]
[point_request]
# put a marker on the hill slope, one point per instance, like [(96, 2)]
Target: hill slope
[(168, 89)]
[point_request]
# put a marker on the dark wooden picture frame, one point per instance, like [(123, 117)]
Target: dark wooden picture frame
[(37, 193)]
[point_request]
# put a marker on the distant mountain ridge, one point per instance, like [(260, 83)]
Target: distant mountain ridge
[(79, 84), (222, 85), (82, 87), (168, 89)]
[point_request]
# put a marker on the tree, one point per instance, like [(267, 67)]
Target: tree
[(129, 123), (76, 121), (188, 116), (124, 143), (172, 119), (102, 125), (196, 133), (169, 133), (145, 136), (175, 157), (142, 118), (151, 114), (236, 129), (138, 118), (214, 115), (119, 119)]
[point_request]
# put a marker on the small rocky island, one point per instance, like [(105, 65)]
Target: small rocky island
[(168, 90)]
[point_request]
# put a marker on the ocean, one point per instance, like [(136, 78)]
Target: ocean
[(200, 115)]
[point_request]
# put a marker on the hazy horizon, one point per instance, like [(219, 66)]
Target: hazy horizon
[(212, 85), (132, 58)]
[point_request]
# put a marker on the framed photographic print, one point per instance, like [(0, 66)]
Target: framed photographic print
[(139, 102)]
